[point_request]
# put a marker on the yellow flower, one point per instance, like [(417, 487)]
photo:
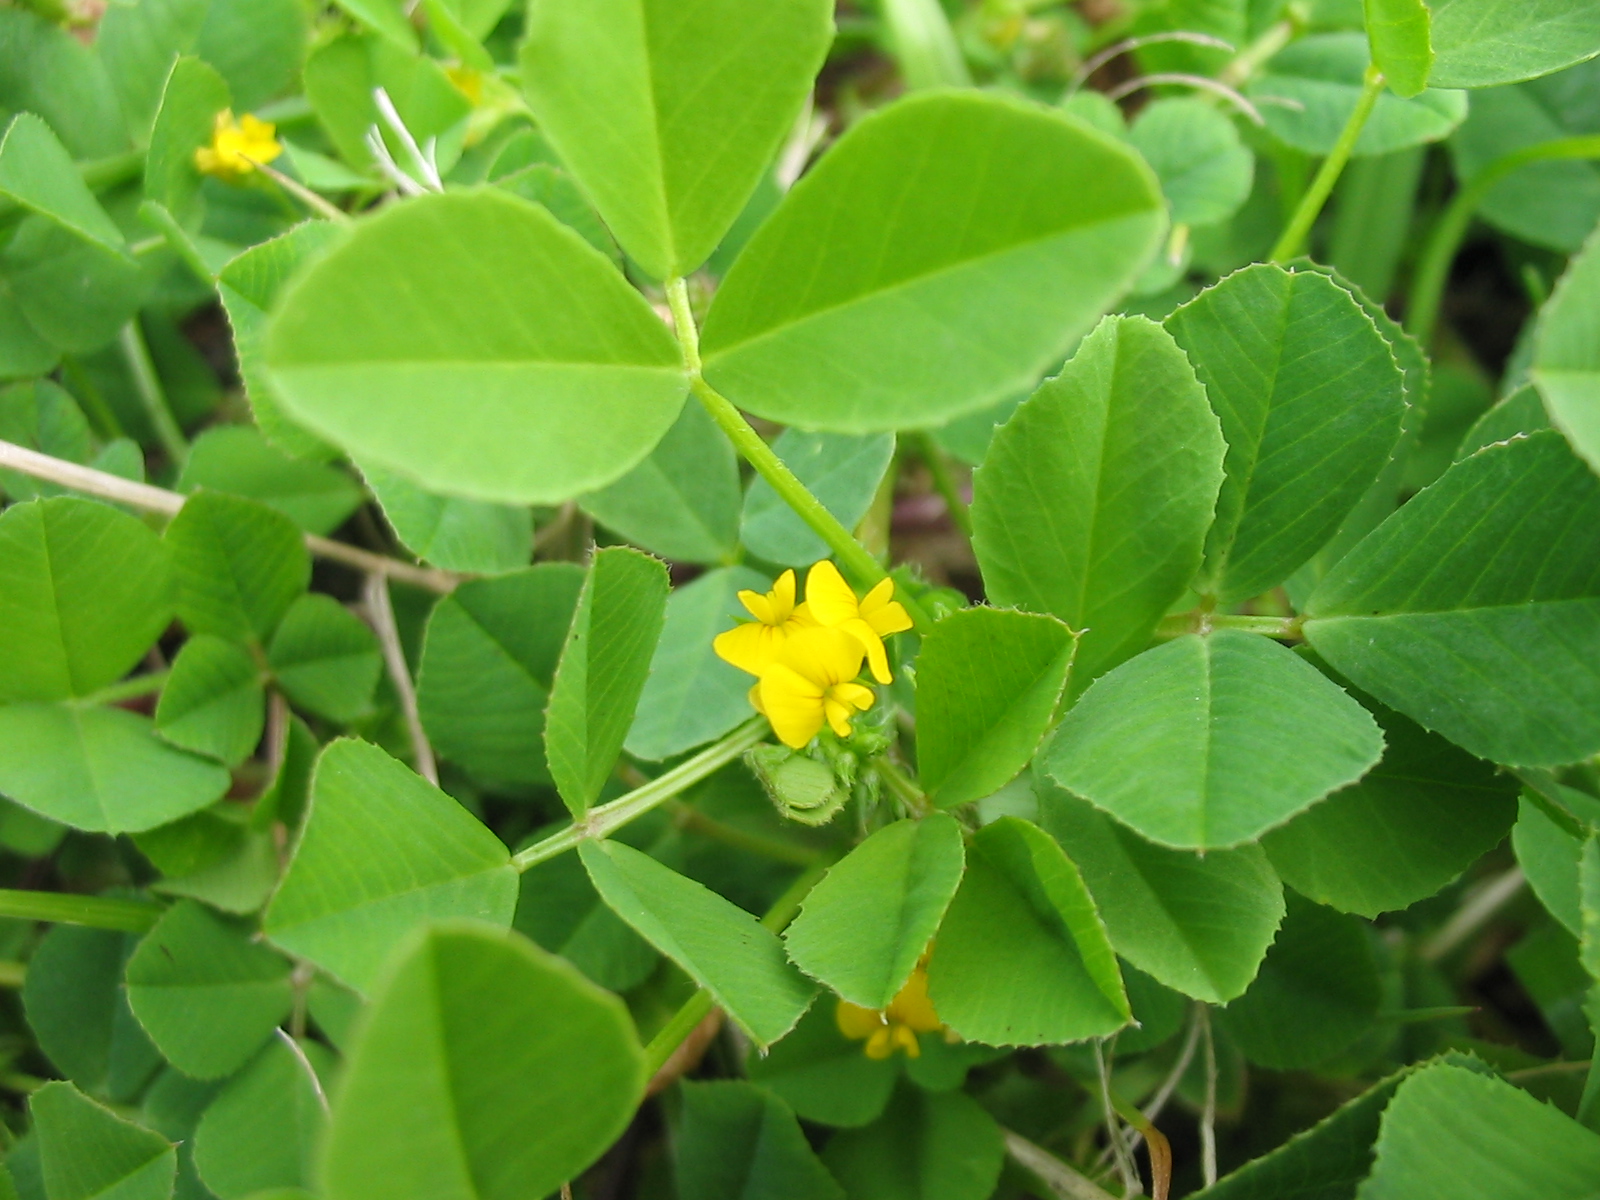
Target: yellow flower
[(750, 645), (237, 146), (869, 621), (895, 1027), (809, 681)]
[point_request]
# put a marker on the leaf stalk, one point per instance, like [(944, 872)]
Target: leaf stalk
[(1299, 227)]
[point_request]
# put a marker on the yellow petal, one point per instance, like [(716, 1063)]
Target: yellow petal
[(792, 703), (760, 606), (857, 1022), (881, 1043), (829, 596), (838, 714), (754, 695), (749, 646), (906, 1040), (884, 614), (911, 1007), (877, 657), (824, 656), (782, 596)]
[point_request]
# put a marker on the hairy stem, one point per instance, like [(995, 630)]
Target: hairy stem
[(380, 613), (1286, 629), (601, 822), (1064, 1180), (686, 816), (1294, 235), (1433, 270), (753, 449), (154, 499)]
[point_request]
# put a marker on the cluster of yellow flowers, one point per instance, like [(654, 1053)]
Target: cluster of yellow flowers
[(896, 1027), (237, 146), (806, 657)]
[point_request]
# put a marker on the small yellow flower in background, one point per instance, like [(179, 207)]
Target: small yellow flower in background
[(809, 681), (751, 645), (467, 81), (895, 1027), (868, 620), (237, 146)]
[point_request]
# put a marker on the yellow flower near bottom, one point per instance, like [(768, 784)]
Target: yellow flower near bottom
[(237, 146), (896, 1027), (809, 681)]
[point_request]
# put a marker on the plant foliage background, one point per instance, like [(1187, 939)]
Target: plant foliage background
[(1163, 549)]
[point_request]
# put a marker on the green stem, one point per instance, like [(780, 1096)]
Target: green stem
[(944, 482), (163, 222), (101, 173), (1427, 289), (753, 448), (1321, 188), (683, 1022), (127, 689), (1287, 629), (148, 385), (901, 785), (686, 816), (601, 822), (64, 908)]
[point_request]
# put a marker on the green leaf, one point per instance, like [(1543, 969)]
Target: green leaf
[(205, 992), (439, 1096), (1183, 742), (46, 70), (1329, 1160), (1481, 43), (1522, 412), (385, 18), (37, 172), (248, 286), (1321, 77), (220, 855), (494, 407), (487, 661), (326, 659), (926, 1146), (1311, 402), (1475, 609), (1095, 497), (84, 591), (381, 852), (89, 1153), (1398, 34), (722, 947), (823, 1075), (449, 532), (1198, 923), (238, 460), (1566, 365), (102, 770), (692, 696), (933, 283), (263, 1129), (214, 703), (1555, 203), (740, 1142), (862, 929), (668, 112), (78, 1010), (43, 416), (1450, 1132), (559, 909), (239, 566), (1195, 151), (193, 97), (1550, 855), (1417, 820), (1317, 993), (73, 293), (256, 46), (988, 684), (552, 188), (602, 671), (682, 502), (1022, 957), (841, 470), (341, 77)]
